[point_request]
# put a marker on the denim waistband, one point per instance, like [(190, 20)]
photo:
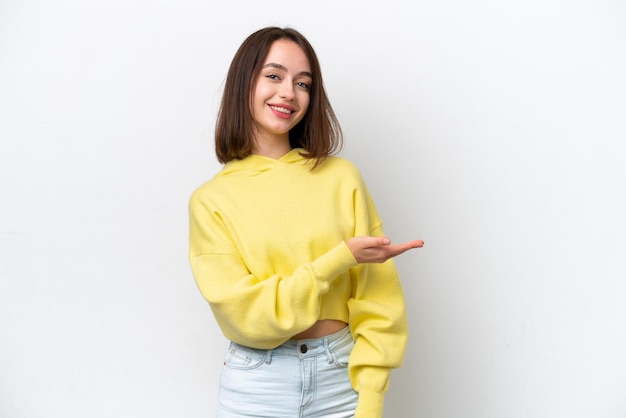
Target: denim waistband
[(307, 348), (315, 346)]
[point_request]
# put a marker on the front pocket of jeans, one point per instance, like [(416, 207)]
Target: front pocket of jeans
[(243, 358), (341, 355)]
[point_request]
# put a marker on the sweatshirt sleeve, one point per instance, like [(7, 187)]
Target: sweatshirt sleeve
[(260, 312), (377, 318)]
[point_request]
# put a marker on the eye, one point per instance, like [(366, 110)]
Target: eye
[(303, 85)]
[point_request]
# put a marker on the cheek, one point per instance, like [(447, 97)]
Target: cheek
[(304, 102), (261, 93), (258, 101)]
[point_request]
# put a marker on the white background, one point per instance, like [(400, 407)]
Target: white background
[(493, 130)]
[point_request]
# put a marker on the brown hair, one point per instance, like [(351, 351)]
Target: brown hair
[(318, 133)]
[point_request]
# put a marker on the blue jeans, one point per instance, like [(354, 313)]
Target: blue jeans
[(299, 379)]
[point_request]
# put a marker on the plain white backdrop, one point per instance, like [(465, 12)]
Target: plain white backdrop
[(493, 130)]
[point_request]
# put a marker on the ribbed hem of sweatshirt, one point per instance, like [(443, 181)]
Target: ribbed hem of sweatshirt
[(371, 404)]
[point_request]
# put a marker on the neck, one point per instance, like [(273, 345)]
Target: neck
[(272, 149)]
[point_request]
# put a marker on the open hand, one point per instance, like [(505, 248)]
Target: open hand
[(378, 249)]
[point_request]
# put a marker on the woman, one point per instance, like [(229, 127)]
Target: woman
[(288, 249)]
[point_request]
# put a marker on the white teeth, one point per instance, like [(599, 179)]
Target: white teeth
[(281, 110)]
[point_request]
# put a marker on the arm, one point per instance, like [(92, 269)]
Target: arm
[(261, 312), (377, 308), (379, 326)]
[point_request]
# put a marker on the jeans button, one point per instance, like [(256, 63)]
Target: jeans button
[(303, 348)]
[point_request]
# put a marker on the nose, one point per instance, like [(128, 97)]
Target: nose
[(286, 90)]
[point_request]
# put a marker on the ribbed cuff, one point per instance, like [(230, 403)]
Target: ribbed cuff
[(334, 263), (371, 404)]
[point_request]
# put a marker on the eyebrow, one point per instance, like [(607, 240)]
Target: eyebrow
[(283, 68)]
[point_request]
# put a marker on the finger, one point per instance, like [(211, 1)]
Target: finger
[(373, 242), (417, 243), (398, 249)]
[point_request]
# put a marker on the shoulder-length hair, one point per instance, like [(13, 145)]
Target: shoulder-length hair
[(318, 133)]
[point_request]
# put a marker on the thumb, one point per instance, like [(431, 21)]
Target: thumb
[(381, 241)]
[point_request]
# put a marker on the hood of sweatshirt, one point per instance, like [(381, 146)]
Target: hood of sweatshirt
[(256, 164)]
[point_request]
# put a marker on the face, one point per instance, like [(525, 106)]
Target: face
[(281, 93)]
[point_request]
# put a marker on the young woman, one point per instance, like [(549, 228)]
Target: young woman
[(288, 249)]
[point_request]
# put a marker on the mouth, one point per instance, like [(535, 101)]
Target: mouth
[(282, 109)]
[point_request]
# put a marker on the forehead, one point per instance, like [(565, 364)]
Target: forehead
[(288, 54)]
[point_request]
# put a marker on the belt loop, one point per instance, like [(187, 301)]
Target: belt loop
[(327, 350), (268, 357)]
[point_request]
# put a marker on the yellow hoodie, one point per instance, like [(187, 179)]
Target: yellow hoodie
[(268, 251)]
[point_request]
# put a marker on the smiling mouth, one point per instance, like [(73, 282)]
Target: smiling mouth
[(282, 109)]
